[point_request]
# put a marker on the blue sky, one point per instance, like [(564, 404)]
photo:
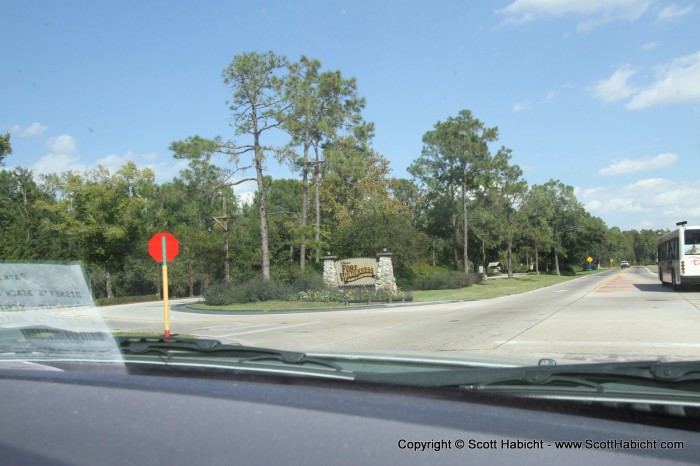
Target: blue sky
[(603, 95)]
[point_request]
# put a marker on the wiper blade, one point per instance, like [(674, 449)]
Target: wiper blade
[(244, 354), (588, 375)]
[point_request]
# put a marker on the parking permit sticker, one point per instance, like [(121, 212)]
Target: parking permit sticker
[(47, 312)]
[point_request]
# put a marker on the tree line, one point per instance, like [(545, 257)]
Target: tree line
[(466, 205)]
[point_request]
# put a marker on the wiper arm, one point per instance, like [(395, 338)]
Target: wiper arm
[(245, 354), (590, 375)]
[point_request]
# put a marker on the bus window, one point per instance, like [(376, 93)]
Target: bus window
[(692, 241)]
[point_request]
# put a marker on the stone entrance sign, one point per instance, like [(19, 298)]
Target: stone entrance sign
[(360, 271)]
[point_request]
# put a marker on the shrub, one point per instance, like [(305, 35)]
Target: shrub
[(253, 290), (351, 295), (309, 281), (564, 269), (444, 281)]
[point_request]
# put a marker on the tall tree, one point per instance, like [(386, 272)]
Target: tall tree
[(322, 105), (536, 213), (454, 159), (259, 104), (563, 215), (508, 190)]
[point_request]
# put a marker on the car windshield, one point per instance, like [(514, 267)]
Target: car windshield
[(482, 182)]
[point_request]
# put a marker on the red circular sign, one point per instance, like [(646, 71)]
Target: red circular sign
[(155, 247)]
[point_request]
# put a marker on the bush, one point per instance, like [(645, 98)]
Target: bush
[(251, 291), (564, 269), (449, 280), (351, 295), (256, 289), (309, 281)]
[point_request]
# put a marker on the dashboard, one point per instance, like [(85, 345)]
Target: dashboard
[(149, 418)]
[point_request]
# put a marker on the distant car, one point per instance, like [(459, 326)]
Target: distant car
[(624, 264)]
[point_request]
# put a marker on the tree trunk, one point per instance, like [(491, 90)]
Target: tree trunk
[(190, 278), (537, 260), (227, 261), (455, 256), (465, 223), (510, 259), (317, 225), (265, 262), (556, 259), (304, 202), (108, 277)]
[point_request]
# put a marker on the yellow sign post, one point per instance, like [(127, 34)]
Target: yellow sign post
[(164, 247)]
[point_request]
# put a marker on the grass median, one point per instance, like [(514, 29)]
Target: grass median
[(492, 288)]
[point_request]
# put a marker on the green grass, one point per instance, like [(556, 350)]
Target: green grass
[(493, 288), (126, 300)]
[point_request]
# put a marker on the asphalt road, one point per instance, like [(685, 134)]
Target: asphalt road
[(614, 315)]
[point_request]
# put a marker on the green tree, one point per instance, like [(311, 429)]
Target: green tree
[(322, 105), (259, 104), (506, 189), (188, 207), (102, 214), (5, 148), (536, 230), (562, 214), (20, 234), (453, 163)]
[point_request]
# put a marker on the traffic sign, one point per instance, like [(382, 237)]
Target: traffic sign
[(163, 247), (156, 246), (590, 259)]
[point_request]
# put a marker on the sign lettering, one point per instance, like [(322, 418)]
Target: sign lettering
[(356, 271)]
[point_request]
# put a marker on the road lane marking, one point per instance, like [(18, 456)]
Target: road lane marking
[(600, 343), (233, 326), (269, 329), (614, 283)]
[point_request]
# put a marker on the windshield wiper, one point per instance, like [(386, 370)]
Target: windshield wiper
[(579, 375), (189, 346)]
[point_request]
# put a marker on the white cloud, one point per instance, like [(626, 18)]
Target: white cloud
[(164, 170), (57, 163), (615, 87), (665, 200), (676, 82), (649, 46), (520, 106), (647, 183), (642, 164), (246, 191), (528, 104), (35, 129), (674, 11), (63, 144), (591, 12)]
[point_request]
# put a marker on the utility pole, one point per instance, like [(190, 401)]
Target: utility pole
[(223, 223)]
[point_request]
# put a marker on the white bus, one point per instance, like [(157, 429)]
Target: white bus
[(679, 256)]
